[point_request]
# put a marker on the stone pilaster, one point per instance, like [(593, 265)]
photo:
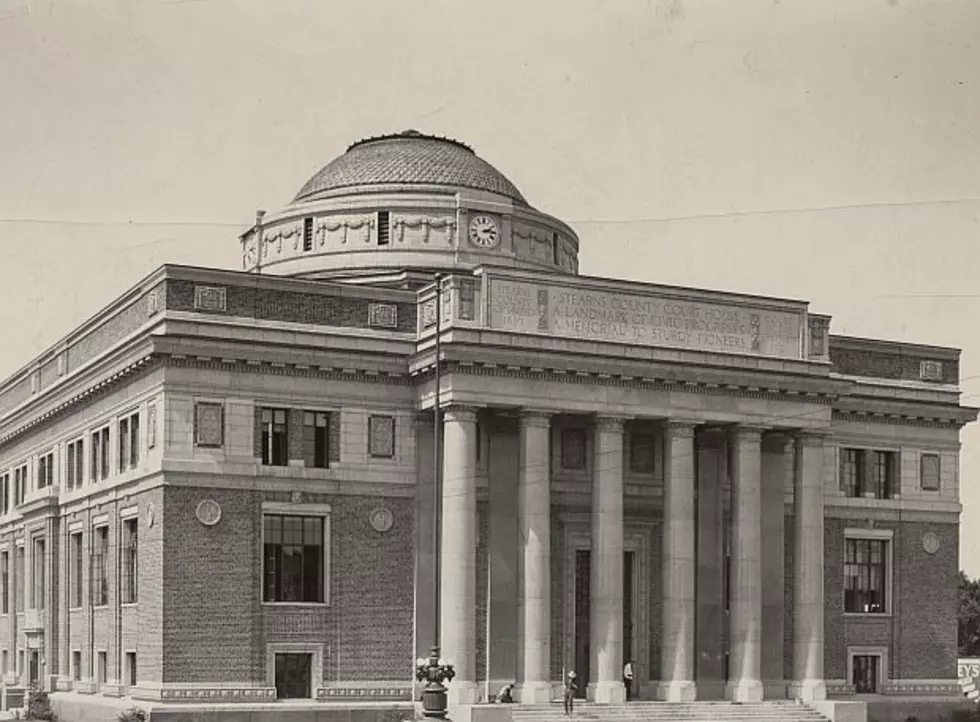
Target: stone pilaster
[(808, 555), (679, 565), (744, 681), (775, 470), (607, 563), (458, 553), (534, 510)]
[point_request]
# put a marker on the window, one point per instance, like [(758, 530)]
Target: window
[(4, 662), (275, 439), (307, 234), (316, 439), (293, 676), (75, 465), (554, 248), (75, 570), (641, 453), (38, 580), (45, 470), (131, 668), (129, 442), (76, 665), (929, 472), (294, 558), (384, 228), (573, 449), (20, 484), (20, 661), (851, 472), (130, 559), (864, 673), (100, 455), (5, 493), (99, 567), (103, 668), (5, 582), (19, 579), (865, 578), (883, 474)]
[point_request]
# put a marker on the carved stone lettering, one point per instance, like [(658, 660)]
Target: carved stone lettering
[(644, 319)]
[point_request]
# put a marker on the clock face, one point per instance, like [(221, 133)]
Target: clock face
[(483, 232)]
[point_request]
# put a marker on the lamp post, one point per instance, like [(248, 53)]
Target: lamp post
[(435, 670)]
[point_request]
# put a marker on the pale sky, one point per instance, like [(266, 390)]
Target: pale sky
[(825, 150)]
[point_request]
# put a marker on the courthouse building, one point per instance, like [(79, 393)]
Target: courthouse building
[(220, 489)]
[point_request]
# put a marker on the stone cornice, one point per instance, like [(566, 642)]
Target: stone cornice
[(953, 420), (335, 373)]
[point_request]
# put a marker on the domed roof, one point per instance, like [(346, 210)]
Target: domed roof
[(409, 158)]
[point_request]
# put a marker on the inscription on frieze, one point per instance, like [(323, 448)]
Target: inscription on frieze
[(644, 320)]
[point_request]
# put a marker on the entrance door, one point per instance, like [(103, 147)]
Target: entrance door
[(583, 576), (34, 672), (293, 673)]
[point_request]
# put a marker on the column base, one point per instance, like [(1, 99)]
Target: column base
[(534, 693), (745, 690), (678, 691), (808, 690), (607, 693), (458, 693)]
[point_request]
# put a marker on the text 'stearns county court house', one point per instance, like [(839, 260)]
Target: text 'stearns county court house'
[(220, 489)]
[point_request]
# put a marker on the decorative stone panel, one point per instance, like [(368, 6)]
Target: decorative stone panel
[(383, 315), (209, 424), (381, 437), (210, 298)]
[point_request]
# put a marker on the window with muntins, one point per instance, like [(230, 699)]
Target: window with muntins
[(275, 437), (5, 493), (883, 474), (74, 465), (100, 455), (20, 484), (130, 559), (316, 439), (294, 558), (19, 579), (45, 470), (99, 567), (865, 576), (5, 582), (39, 576), (851, 472), (129, 444), (307, 234), (384, 228), (75, 570)]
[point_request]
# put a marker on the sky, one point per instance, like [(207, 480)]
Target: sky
[(827, 151)]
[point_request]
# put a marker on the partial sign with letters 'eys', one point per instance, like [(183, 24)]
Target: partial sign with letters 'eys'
[(644, 319)]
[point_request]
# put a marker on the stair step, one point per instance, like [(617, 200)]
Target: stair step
[(646, 711)]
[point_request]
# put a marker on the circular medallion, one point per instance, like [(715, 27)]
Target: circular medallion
[(930, 542), (208, 512), (382, 519), (296, 497), (150, 514)]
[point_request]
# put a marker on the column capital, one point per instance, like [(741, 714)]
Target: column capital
[(748, 432), (681, 427), (535, 418), (460, 413), (811, 437), (610, 423)]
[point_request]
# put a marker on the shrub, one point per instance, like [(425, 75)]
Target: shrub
[(133, 714), (38, 705)]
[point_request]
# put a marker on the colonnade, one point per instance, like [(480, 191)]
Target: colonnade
[(679, 564)]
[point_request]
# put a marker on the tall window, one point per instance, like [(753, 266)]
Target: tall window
[(129, 442), (384, 228), (130, 559), (883, 474), (38, 577), (308, 234), (19, 579), (100, 455), (5, 582), (865, 576), (5, 493), (275, 437), (851, 472), (75, 463), (316, 439), (45, 470), (75, 570), (99, 567), (294, 558), (20, 484)]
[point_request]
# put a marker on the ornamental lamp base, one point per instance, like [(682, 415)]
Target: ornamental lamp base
[(434, 701)]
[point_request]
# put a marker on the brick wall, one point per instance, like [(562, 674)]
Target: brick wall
[(215, 627), (924, 590)]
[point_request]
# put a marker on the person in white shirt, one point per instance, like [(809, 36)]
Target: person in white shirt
[(628, 679)]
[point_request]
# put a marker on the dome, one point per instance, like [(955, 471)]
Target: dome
[(409, 158)]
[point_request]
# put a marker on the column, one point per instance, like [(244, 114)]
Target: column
[(745, 669), (534, 510), (606, 620), (458, 552), (808, 549), (679, 565), (776, 472)]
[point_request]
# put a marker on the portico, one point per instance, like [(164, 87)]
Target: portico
[(690, 541)]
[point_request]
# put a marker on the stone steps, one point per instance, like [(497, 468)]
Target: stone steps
[(776, 711)]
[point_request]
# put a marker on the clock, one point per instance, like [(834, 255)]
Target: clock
[(483, 232)]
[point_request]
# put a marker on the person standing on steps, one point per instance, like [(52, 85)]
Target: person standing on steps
[(570, 689), (628, 679)]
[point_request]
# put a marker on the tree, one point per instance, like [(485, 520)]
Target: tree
[(969, 616)]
